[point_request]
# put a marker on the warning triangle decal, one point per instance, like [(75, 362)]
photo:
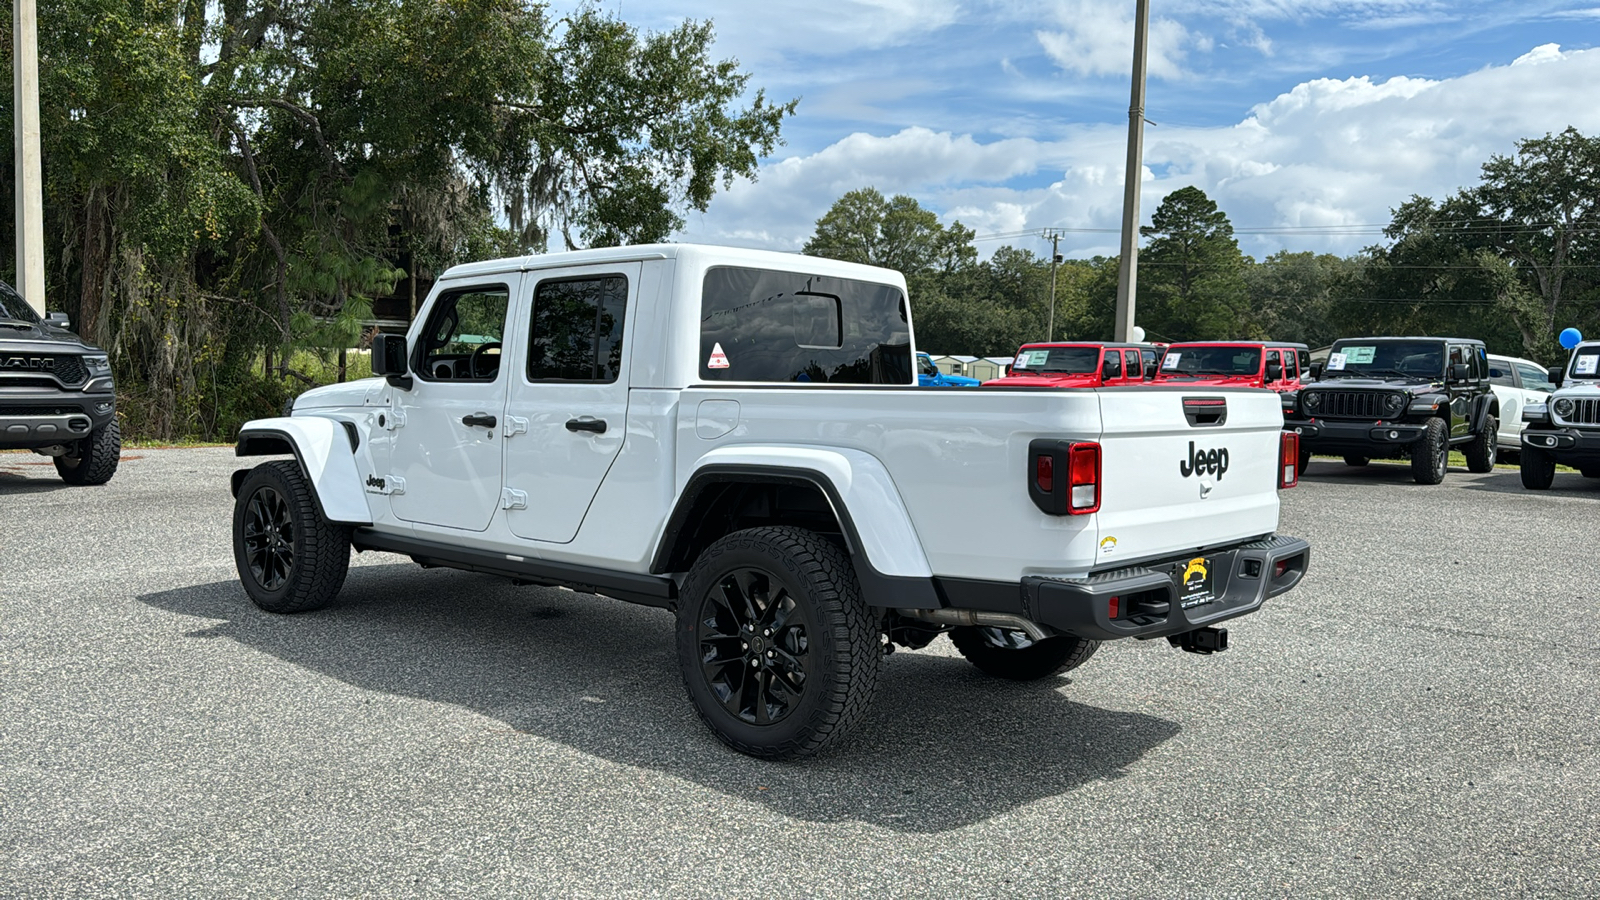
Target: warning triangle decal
[(718, 360)]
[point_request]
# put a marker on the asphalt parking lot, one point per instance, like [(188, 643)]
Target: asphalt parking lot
[(1418, 719)]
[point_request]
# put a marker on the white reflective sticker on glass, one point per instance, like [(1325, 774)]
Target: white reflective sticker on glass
[(1335, 362), (1359, 356), (1586, 364), (1170, 362)]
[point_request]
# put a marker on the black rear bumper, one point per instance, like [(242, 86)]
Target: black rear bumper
[(1148, 595)]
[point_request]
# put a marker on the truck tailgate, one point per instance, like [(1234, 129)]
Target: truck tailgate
[(1175, 478)]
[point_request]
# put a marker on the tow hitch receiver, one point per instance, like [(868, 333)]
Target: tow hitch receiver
[(1204, 641)]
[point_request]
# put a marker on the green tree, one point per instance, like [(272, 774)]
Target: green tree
[(227, 177), (895, 232), (1191, 274), (1292, 295)]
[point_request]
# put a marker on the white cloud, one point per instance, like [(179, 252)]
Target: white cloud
[(1329, 152), (1095, 37)]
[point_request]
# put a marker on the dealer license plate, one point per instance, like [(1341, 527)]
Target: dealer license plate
[(1195, 582)]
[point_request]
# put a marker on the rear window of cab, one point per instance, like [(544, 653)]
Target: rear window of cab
[(767, 325)]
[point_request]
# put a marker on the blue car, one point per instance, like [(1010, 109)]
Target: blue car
[(928, 375)]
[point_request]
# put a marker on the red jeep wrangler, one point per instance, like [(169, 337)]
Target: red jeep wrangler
[(1085, 364), (1274, 365)]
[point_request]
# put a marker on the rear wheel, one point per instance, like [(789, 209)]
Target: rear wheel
[(1430, 455), (1590, 471), (1305, 459), (92, 460), (1013, 655), (1480, 453), (1538, 469), (1356, 460), (777, 649), (290, 559)]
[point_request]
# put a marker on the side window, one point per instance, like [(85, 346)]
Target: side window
[(1270, 357), (1112, 366), (1130, 364), (576, 329), (1480, 363), (461, 341), (1500, 373), (1534, 378), (1291, 365), (1304, 358)]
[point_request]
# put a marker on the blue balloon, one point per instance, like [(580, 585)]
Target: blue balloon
[(1571, 337)]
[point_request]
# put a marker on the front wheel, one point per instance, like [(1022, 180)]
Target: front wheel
[(1481, 452), (290, 559), (92, 460), (778, 651), (1013, 655), (1538, 469), (1430, 455)]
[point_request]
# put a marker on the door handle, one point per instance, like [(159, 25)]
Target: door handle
[(479, 419), (598, 426)]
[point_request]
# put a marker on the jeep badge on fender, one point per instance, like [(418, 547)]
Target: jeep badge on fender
[(1204, 462)]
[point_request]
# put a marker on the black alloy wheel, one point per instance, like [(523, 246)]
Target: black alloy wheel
[(755, 653), (1430, 455), (1481, 452), (290, 558), (778, 651), (269, 538), (1538, 469)]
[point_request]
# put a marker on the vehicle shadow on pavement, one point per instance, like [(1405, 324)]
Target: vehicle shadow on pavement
[(1510, 482), (942, 747), (18, 481)]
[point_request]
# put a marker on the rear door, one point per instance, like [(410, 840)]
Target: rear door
[(1177, 478), (567, 413), (1460, 391)]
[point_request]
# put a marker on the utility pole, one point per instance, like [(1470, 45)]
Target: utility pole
[(1055, 258), (1128, 274), (25, 147)]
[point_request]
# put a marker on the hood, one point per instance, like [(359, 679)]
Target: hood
[(364, 392), (1408, 385), (962, 381), (42, 339), (1575, 389), (1087, 380), (1210, 380)]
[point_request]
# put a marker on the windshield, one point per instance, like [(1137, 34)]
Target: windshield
[(925, 365), (1181, 360), (12, 306), (1407, 359), (1056, 361), (1586, 363)]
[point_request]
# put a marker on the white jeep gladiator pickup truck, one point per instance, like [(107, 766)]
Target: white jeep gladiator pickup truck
[(737, 436), (1566, 428)]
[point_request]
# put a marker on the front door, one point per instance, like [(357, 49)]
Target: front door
[(1460, 391), (447, 445), (568, 404)]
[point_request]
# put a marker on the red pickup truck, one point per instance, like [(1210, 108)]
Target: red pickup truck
[(1087, 364), (1274, 365)]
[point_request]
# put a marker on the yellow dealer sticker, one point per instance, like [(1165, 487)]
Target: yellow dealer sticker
[(1107, 545)]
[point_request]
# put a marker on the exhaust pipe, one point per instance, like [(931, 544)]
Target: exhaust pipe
[(977, 618)]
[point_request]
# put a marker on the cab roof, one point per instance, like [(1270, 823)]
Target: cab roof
[(1273, 344), (1414, 337)]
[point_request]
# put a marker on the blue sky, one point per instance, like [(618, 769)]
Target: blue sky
[(1307, 120)]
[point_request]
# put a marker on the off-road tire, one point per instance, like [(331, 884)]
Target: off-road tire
[(1481, 452), (1589, 471), (1041, 659), (1430, 455), (843, 646), (1305, 460), (1357, 461), (1538, 469), (320, 549), (92, 460)]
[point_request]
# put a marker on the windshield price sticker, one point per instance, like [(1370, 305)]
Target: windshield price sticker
[(1359, 356), (1030, 359), (1170, 362), (1336, 362), (1587, 364)]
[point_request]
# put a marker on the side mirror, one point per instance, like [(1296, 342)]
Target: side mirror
[(1459, 372), (389, 359), (56, 320), (1274, 371), (1316, 371), (1558, 374)]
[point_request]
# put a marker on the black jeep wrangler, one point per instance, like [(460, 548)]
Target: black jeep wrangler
[(1397, 398), (56, 397)]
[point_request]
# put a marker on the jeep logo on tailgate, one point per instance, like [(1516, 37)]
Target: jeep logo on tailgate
[(27, 362), (1204, 462)]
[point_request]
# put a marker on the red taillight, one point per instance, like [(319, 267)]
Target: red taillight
[(1114, 607), (1289, 461), (1279, 568), (1044, 473), (1083, 487)]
